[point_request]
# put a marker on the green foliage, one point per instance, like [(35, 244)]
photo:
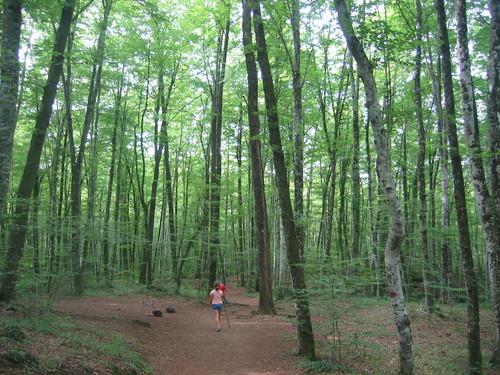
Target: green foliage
[(104, 346), (318, 367), (114, 347), (13, 332), (149, 39), (17, 358)]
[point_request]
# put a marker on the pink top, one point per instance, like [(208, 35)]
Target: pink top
[(216, 297)]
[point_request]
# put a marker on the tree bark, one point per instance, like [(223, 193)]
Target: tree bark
[(298, 130), (397, 228), (295, 261), (494, 100), (356, 178), (9, 91), (473, 334), (18, 229), (240, 243), (106, 253), (169, 183), (494, 146), (485, 204), (422, 194), (215, 147), (266, 304)]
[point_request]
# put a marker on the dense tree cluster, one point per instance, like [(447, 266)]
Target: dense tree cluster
[(299, 141)]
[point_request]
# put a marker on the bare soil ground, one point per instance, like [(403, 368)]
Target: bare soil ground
[(357, 335), (186, 342)]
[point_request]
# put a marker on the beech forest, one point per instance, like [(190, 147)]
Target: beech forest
[(298, 146)]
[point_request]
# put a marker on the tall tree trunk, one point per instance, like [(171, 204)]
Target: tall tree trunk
[(240, 243), (36, 226), (298, 126), (147, 272), (215, 148), (374, 258), (77, 157), (484, 202), (494, 148), (18, 229), (9, 90), (266, 304), (397, 230), (494, 100), (446, 261), (55, 203), (169, 183), (473, 335), (146, 261), (424, 249), (107, 209), (295, 261), (356, 179)]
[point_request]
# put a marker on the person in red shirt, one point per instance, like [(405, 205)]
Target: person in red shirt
[(224, 289), (217, 303)]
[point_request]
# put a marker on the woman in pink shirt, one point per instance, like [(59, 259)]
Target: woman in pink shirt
[(217, 303)]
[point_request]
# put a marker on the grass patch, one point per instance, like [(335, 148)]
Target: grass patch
[(59, 345), (360, 334)]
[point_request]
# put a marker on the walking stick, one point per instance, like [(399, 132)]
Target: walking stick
[(227, 318)]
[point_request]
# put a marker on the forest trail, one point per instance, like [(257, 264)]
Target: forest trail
[(186, 343)]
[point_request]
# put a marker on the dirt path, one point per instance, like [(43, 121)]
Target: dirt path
[(186, 343)]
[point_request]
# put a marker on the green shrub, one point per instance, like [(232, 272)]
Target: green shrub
[(318, 367), (14, 333), (17, 358)]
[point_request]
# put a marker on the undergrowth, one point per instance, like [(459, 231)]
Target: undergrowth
[(53, 344)]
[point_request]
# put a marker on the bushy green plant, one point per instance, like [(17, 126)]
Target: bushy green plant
[(14, 332), (17, 358), (318, 367)]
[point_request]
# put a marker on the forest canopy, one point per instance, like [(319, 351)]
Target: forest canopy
[(133, 147)]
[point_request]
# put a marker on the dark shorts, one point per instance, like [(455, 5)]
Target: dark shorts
[(217, 306)]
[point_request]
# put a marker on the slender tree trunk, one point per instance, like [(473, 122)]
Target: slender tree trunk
[(446, 262), (374, 258), (295, 261), (484, 201), (332, 144), (53, 212), (36, 226), (239, 158), (9, 90), (215, 148), (494, 100), (396, 233), (356, 179), (172, 228), (298, 126), (107, 210), (424, 249), (266, 304), (145, 268), (473, 334), (342, 212), (151, 210), (18, 229), (494, 148), (77, 157)]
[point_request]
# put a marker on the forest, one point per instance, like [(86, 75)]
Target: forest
[(298, 145)]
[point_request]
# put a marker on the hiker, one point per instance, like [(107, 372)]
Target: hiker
[(223, 288), (217, 303)]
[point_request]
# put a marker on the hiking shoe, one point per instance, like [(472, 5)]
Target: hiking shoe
[(217, 329)]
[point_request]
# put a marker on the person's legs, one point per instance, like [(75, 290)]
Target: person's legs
[(217, 319)]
